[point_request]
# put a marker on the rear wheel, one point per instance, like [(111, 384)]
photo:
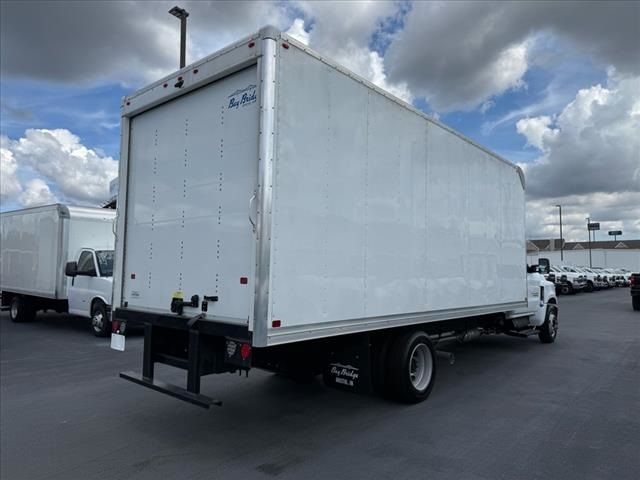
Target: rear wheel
[(20, 310), (589, 287), (99, 321), (411, 368), (565, 289), (549, 329)]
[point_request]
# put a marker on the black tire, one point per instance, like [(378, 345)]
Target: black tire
[(565, 289), (100, 323), (404, 379), (549, 329), (379, 366), (635, 301), (589, 287), (20, 310)]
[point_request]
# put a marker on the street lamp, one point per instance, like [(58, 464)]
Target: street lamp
[(561, 240), (182, 14), (589, 232)]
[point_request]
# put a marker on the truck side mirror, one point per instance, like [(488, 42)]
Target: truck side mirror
[(71, 269)]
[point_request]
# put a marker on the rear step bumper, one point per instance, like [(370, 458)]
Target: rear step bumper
[(198, 345), (171, 390)]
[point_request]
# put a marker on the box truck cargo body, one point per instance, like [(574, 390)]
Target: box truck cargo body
[(269, 195), (37, 243)]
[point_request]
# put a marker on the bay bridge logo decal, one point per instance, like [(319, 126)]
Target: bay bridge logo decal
[(242, 98)]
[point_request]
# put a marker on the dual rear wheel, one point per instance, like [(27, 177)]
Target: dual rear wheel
[(407, 367)]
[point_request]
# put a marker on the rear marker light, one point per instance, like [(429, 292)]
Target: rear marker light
[(128, 103), (276, 323), (244, 280), (196, 71), (179, 78), (245, 351), (285, 46), (115, 326), (133, 276), (165, 85), (251, 44)]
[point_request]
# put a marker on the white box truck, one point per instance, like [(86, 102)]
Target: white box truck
[(277, 211), (58, 257)]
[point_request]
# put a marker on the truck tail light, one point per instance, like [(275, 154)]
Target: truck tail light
[(245, 351), (115, 326)]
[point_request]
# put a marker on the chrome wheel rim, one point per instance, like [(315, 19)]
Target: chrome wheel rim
[(97, 321), (14, 310), (420, 367), (553, 323)]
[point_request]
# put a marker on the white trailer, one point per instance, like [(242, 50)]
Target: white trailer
[(36, 246), (276, 210)]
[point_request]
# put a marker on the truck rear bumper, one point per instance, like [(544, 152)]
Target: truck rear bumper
[(199, 346)]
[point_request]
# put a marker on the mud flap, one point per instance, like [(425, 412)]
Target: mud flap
[(349, 365)]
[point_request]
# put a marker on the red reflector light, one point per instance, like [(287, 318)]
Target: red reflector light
[(128, 103), (244, 280), (251, 44), (133, 276), (165, 85), (179, 78), (196, 71), (276, 323), (115, 326), (245, 351), (285, 46)]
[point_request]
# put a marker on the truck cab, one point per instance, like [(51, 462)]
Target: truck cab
[(90, 286), (575, 281)]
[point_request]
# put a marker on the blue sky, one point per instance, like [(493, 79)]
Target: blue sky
[(514, 90)]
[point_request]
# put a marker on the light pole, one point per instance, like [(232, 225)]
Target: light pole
[(182, 14), (589, 232), (561, 240)]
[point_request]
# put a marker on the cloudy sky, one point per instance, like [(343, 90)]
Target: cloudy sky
[(552, 86)]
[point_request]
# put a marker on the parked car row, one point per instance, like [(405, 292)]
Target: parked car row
[(570, 279)]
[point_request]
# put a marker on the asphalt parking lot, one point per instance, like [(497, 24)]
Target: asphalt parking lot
[(508, 409)]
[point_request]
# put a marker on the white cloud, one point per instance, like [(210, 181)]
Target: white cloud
[(57, 157), (589, 163), (343, 30), (536, 130), (370, 65), (9, 183), (614, 211), (297, 31), (36, 193), (592, 146), (459, 54)]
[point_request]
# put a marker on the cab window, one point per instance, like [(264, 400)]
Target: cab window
[(85, 262)]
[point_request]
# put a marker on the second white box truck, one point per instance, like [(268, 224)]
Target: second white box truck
[(60, 258), (278, 211)]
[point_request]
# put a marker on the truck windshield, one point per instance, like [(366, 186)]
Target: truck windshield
[(105, 262)]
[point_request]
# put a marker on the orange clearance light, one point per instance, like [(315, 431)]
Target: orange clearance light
[(285, 46), (276, 323)]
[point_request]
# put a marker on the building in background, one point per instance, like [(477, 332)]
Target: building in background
[(605, 254)]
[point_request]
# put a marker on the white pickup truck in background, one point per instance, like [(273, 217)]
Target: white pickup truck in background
[(60, 258)]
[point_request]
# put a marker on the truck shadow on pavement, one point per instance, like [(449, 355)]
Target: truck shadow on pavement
[(266, 410)]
